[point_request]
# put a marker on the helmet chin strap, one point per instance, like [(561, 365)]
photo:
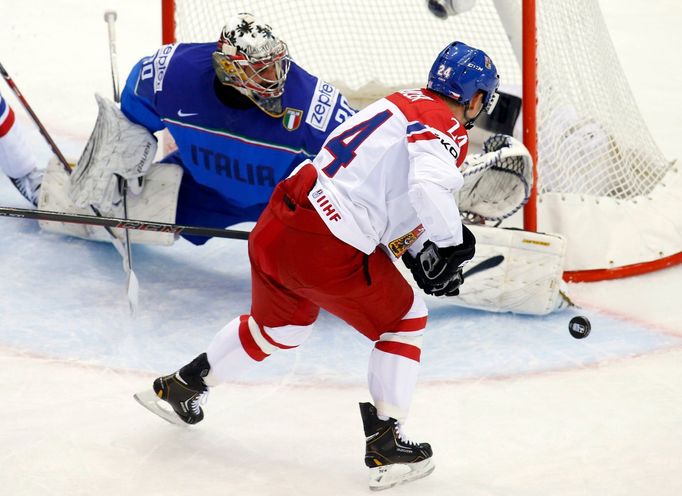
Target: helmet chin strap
[(470, 122)]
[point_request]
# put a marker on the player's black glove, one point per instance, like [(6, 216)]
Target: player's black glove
[(438, 271)]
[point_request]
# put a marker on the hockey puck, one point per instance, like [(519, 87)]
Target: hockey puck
[(579, 327)]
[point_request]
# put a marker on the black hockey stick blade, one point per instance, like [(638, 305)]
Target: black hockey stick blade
[(486, 264)]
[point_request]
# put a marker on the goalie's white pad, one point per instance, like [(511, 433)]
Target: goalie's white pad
[(497, 182), (527, 281), (157, 202), (116, 148)]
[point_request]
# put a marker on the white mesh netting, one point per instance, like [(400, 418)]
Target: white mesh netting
[(591, 137)]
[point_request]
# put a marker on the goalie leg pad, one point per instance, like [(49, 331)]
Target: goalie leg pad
[(157, 202), (529, 279), (117, 148)]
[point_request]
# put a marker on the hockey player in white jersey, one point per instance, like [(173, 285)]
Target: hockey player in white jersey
[(380, 189), (15, 160)]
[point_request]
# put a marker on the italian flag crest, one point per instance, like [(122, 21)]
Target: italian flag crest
[(292, 118)]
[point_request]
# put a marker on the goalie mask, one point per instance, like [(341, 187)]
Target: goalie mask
[(459, 72), (254, 61)]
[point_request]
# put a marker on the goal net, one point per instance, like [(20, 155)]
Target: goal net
[(601, 178)]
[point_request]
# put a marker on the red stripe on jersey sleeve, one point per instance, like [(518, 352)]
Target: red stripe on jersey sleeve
[(425, 136)]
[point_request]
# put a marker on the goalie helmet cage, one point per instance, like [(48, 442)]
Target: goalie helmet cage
[(601, 180)]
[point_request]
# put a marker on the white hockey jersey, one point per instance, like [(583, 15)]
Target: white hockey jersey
[(387, 175)]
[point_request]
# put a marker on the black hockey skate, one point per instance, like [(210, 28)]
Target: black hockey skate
[(392, 459), (184, 391)]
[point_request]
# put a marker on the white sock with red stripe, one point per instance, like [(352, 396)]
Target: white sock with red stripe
[(15, 157), (394, 364), (242, 343)]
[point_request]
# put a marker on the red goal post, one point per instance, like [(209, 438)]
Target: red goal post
[(601, 181)]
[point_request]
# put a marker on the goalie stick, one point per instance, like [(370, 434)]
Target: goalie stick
[(118, 244), (110, 19), (133, 285)]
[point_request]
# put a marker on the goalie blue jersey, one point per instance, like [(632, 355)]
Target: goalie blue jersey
[(232, 155)]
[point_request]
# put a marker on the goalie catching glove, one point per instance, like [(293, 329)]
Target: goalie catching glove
[(497, 182), (117, 149), (438, 271)]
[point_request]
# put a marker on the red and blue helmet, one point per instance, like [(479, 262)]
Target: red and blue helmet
[(460, 71)]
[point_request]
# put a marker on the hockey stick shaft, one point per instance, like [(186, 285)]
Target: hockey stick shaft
[(486, 264), (110, 19), (163, 227), (114, 222), (133, 285), (41, 128)]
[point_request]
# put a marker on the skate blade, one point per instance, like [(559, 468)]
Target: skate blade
[(151, 402), (385, 477)]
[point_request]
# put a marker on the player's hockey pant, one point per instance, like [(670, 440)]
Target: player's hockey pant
[(298, 267)]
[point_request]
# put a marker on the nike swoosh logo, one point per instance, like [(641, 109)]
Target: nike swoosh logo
[(369, 438), (177, 376), (186, 114)]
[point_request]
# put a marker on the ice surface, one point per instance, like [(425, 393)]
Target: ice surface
[(512, 405)]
